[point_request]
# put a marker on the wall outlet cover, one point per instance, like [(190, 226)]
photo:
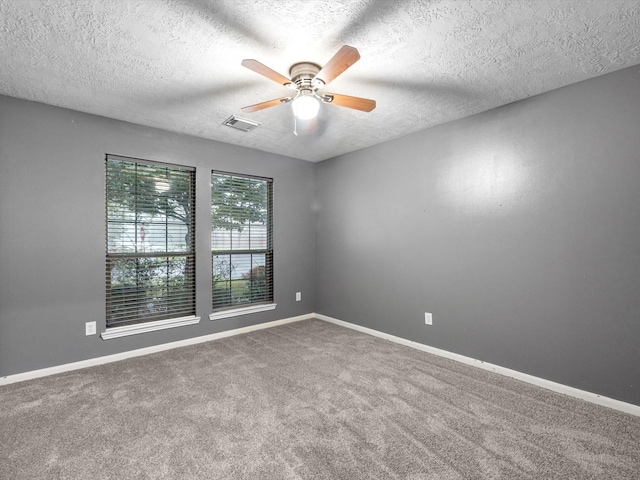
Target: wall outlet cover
[(90, 328)]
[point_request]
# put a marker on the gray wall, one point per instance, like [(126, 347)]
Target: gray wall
[(52, 233), (518, 228)]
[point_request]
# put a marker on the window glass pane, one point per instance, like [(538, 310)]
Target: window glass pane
[(238, 204), (150, 289), (257, 278), (258, 234), (240, 279), (149, 208), (240, 266), (222, 281), (221, 239)]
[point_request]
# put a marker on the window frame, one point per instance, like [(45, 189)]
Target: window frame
[(244, 308), (186, 303)]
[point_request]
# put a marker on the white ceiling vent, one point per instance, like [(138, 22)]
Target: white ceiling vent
[(240, 123)]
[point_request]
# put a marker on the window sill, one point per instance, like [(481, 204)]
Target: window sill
[(242, 311), (116, 332)]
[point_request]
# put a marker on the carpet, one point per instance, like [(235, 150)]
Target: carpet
[(306, 400)]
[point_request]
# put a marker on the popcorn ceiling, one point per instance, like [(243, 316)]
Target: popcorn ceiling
[(175, 64)]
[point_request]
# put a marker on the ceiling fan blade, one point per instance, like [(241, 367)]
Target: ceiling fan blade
[(267, 104), (265, 71), (342, 60), (357, 103)]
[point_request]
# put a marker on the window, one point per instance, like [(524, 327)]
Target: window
[(241, 241), (150, 241)]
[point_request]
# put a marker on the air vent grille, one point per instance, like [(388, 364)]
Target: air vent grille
[(240, 123)]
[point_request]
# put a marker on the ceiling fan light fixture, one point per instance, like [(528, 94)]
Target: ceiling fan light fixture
[(305, 107)]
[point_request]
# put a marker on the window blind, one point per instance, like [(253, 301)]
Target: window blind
[(241, 240), (150, 268)]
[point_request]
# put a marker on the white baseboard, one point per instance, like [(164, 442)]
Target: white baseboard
[(21, 377), (540, 382)]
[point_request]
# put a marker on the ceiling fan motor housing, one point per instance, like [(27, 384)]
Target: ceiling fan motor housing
[(302, 75)]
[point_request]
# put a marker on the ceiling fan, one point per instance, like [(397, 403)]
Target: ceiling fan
[(306, 79)]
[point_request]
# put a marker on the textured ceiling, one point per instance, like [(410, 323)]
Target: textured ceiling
[(175, 64)]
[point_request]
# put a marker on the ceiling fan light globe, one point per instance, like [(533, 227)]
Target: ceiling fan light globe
[(305, 107)]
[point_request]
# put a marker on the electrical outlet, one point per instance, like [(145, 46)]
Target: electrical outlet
[(428, 319), (298, 296), (90, 328)]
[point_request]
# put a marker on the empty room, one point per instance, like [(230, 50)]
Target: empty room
[(325, 239)]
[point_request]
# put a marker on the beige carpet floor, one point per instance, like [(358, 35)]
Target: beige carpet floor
[(307, 400)]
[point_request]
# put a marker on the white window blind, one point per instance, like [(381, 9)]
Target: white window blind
[(241, 240), (150, 272)]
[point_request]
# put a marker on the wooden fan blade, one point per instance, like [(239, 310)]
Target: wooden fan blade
[(357, 103), (267, 104), (342, 60), (265, 71)]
